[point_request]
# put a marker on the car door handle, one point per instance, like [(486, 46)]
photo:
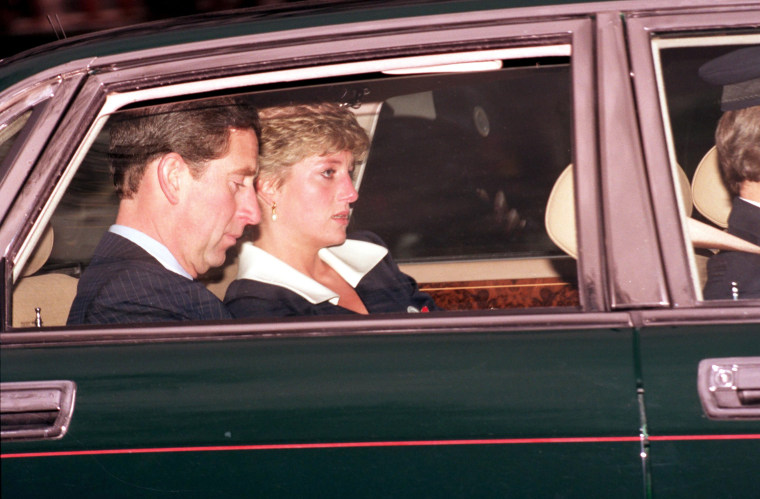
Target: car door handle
[(36, 410), (729, 387)]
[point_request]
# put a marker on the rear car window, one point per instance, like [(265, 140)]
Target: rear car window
[(693, 109)]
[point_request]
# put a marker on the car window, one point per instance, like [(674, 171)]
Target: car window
[(461, 165), (463, 170), (9, 133), (692, 107)]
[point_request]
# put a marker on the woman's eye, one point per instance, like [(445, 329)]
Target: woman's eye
[(328, 173)]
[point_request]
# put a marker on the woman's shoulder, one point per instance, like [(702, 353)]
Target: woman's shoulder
[(255, 289), (250, 298)]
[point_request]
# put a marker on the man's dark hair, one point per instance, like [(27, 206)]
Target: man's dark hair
[(199, 131)]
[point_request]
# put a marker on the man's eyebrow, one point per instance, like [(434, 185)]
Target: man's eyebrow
[(246, 171)]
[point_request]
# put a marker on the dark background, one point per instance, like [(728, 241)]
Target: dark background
[(24, 23)]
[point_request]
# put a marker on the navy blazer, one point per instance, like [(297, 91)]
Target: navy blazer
[(124, 283), (383, 289), (736, 266)]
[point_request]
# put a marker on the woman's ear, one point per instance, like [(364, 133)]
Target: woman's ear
[(170, 170), (266, 190)]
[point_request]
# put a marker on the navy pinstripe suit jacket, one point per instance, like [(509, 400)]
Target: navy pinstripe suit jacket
[(124, 283)]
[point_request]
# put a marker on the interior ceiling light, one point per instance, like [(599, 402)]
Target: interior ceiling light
[(461, 67)]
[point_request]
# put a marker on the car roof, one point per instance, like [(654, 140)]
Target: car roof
[(290, 16)]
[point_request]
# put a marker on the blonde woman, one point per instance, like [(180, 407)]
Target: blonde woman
[(301, 261)]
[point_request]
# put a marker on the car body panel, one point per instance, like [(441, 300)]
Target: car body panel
[(597, 398), (392, 396), (683, 442)]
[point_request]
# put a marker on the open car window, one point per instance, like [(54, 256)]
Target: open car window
[(462, 162), (692, 109)]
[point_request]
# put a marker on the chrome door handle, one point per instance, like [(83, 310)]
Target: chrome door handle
[(729, 388), (36, 410)]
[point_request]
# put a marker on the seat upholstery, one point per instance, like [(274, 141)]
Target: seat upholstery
[(560, 219), (711, 197), (51, 293)]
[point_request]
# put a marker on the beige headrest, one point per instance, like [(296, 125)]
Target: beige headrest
[(560, 218), (560, 213), (710, 195), (41, 253)]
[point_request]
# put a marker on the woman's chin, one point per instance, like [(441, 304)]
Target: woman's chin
[(336, 240)]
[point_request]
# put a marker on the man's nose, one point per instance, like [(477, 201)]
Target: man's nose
[(248, 206)]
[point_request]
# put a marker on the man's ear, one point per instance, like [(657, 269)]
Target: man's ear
[(170, 171)]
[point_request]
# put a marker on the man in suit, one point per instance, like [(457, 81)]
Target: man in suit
[(735, 274), (184, 173)]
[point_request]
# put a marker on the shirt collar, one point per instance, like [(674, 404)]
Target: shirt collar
[(153, 247), (352, 260), (754, 203)]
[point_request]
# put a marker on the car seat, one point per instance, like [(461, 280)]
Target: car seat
[(51, 293), (560, 219), (711, 197)]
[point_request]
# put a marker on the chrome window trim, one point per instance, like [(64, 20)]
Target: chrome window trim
[(592, 287), (118, 100), (325, 326), (629, 228), (30, 99), (55, 98)]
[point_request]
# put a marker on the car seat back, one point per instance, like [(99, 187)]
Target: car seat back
[(45, 299)]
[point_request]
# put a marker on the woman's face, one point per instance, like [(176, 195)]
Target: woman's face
[(314, 201)]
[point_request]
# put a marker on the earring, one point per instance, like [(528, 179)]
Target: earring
[(274, 212)]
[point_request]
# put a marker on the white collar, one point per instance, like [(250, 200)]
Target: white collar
[(153, 247), (755, 203), (352, 260)]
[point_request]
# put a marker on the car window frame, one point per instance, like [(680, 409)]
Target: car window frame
[(674, 243), (118, 83), (46, 98)]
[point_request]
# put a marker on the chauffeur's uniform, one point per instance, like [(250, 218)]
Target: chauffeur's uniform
[(266, 286), (736, 274), (124, 283)]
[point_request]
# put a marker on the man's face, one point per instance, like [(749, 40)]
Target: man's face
[(219, 205)]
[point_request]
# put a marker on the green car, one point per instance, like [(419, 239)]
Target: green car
[(544, 172)]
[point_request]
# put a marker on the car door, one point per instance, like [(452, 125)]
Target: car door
[(699, 360), (519, 395)]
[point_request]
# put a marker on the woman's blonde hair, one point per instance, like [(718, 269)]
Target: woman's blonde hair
[(292, 133)]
